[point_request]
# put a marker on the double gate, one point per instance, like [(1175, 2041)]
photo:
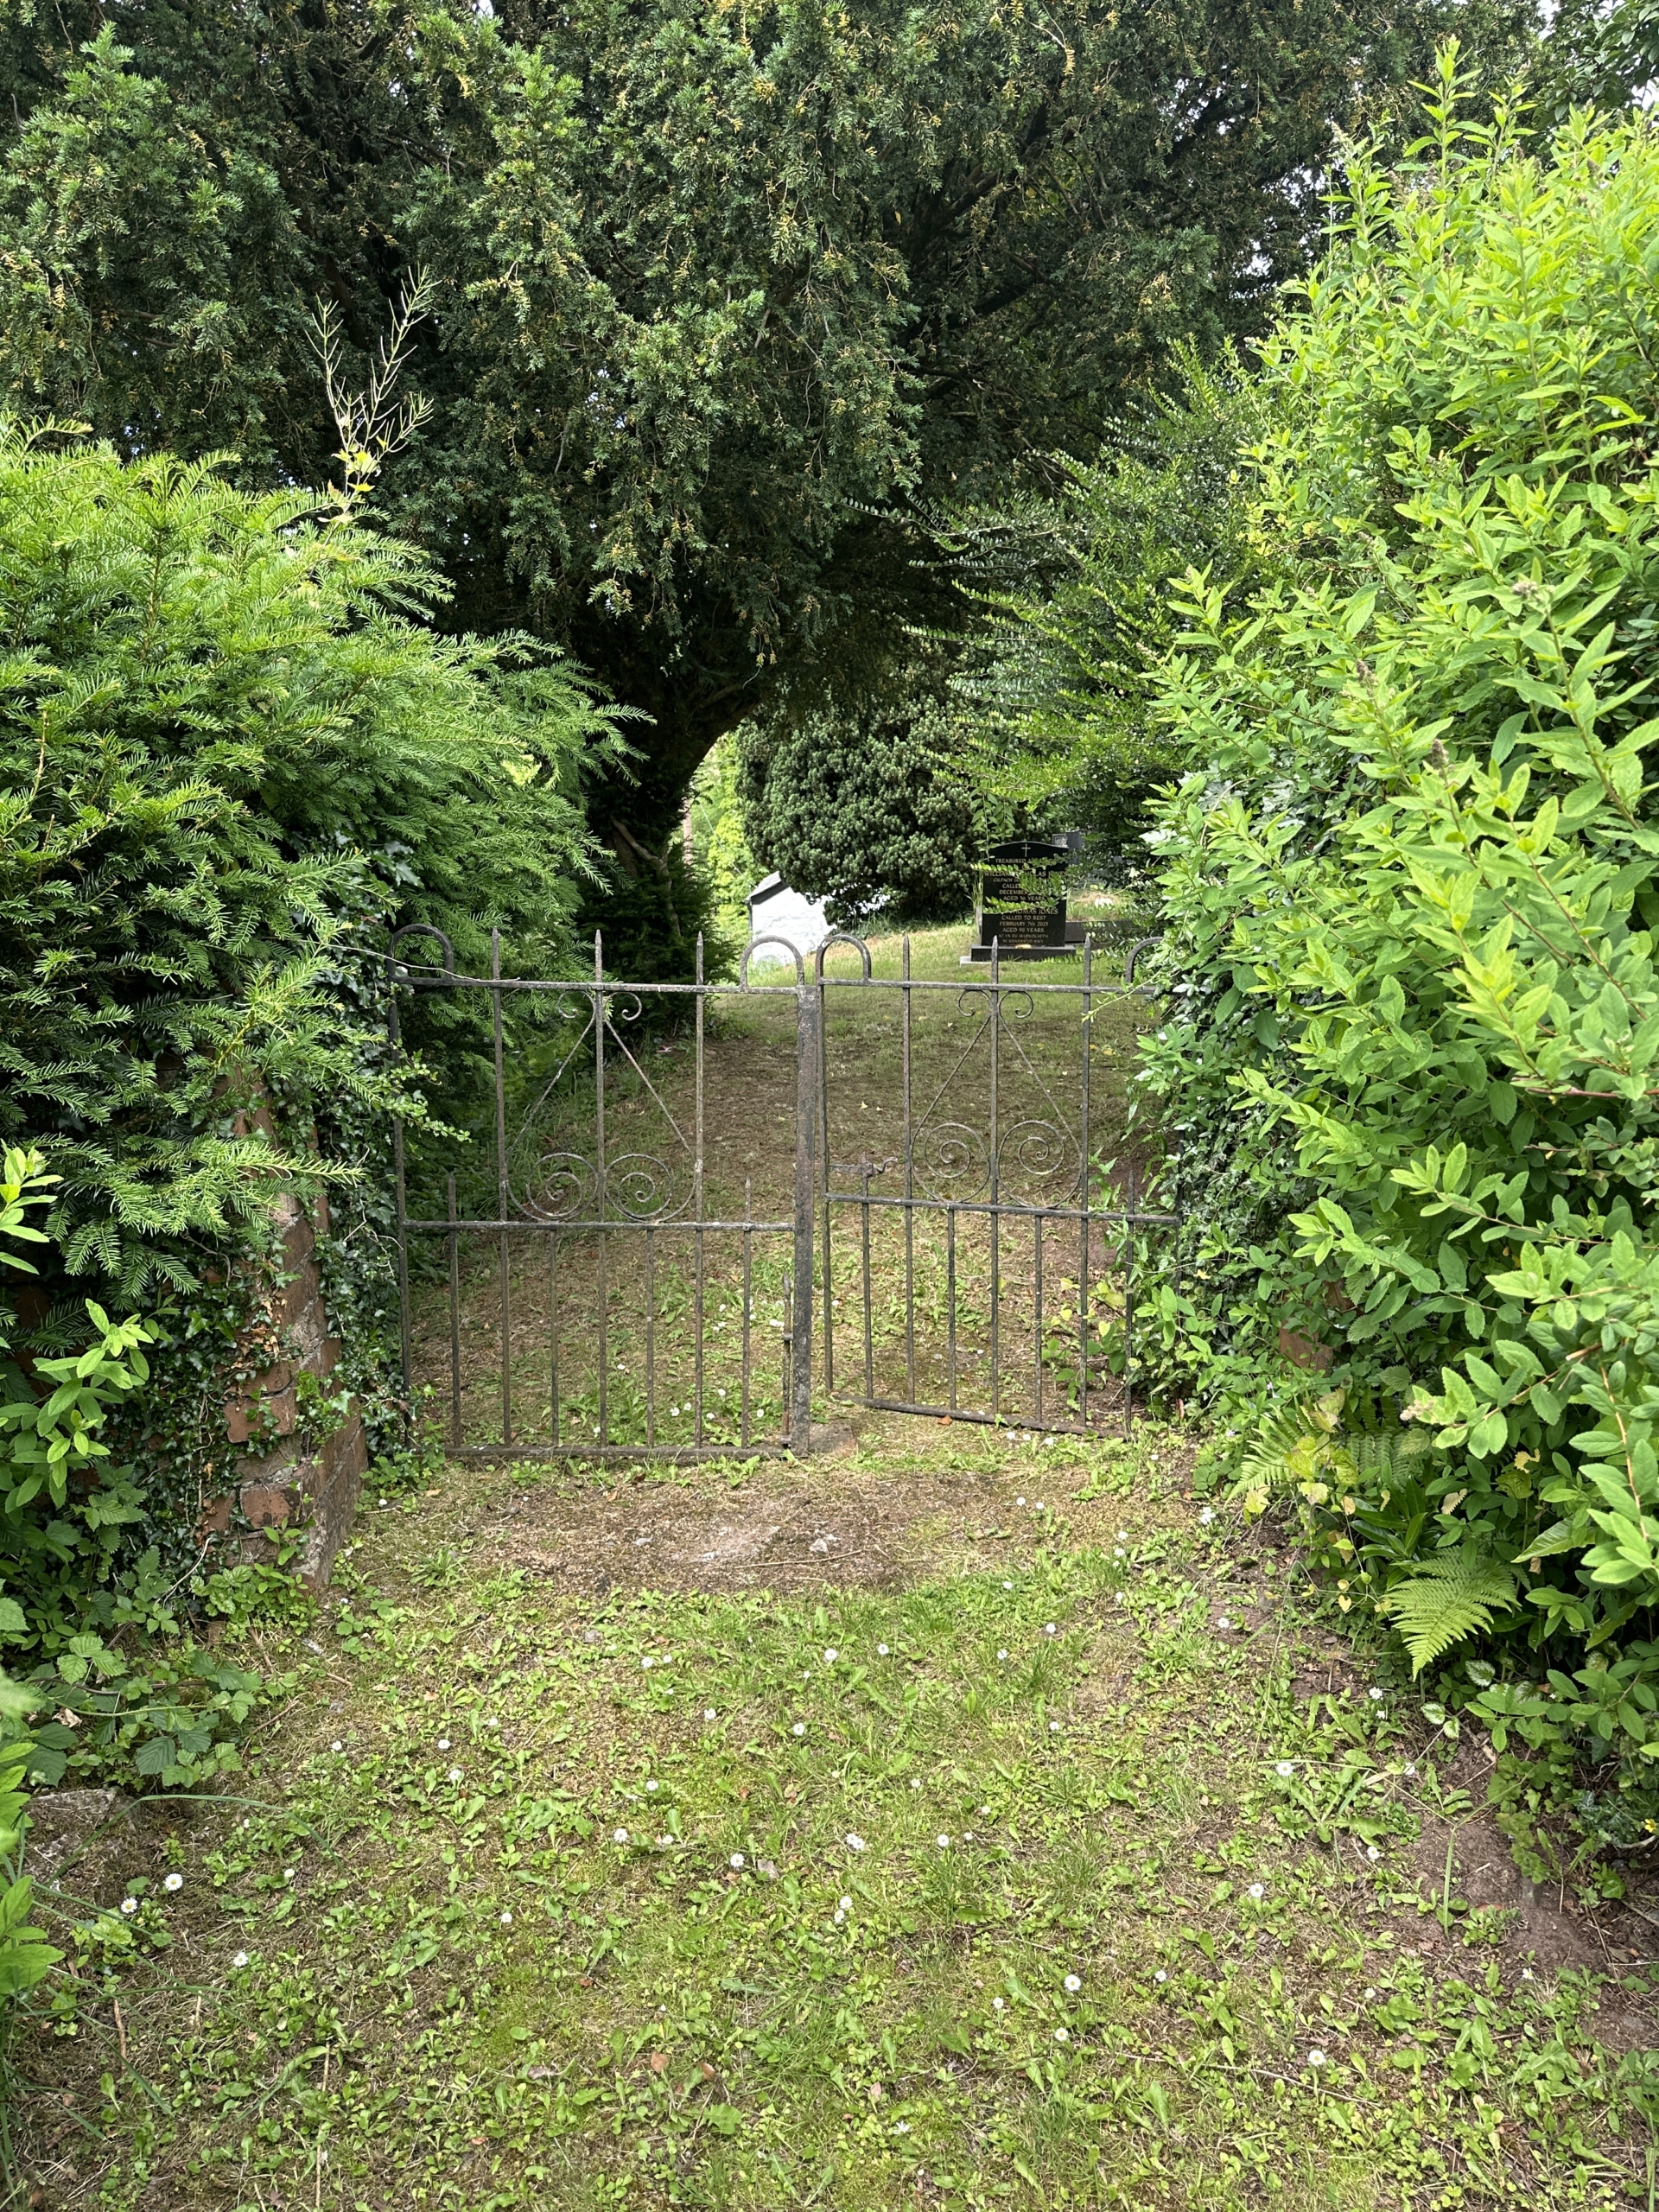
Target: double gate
[(699, 1208)]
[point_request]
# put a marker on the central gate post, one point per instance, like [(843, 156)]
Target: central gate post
[(808, 1046)]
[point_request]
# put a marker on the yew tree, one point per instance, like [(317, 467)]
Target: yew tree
[(730, 303)]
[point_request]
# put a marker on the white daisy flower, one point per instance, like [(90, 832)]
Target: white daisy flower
[(830, 1656), (708, 1713), (653, 1786), (853, 1842), (1073, 1983), (506, 1920), (621, 1836), (129, 1906), (1316, 2059), (799, 1729), (881, 1650), (1060, 2036), (943, 1842), (1206, 1516), (455, 1774), (240, 1960), (1257, 1889), (996, 2004), (1284, 1769), (174, 1882), (1160, 1975), (736, 1861)]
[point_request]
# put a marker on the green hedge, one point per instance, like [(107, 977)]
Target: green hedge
[(1411, 893)]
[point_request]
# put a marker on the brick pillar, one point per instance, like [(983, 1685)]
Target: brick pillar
[(281, 1479)]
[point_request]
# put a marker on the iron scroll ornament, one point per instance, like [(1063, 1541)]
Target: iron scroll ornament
[(1036, 1161), (562, 1184)]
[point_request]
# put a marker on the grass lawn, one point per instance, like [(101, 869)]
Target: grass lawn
[(957, 1822)]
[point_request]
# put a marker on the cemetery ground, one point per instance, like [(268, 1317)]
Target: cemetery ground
[(960, 1820), (956, 1819)]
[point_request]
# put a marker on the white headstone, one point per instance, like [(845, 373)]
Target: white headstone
[(777, 910)]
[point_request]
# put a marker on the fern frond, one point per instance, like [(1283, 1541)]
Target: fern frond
[(1448, 1597), (1266, 1464)]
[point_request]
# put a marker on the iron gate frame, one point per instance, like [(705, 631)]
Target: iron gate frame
[(810, 1226)]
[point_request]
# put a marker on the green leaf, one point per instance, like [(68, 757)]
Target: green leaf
[(1447, 1598)]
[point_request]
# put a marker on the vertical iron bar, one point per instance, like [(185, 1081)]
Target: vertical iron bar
[(749, 1248), (696, 1177), (1037, 1276), (553, 1308), (789, 1350), (599, 1172), (650, 1336), (406, 1362), (1082, 1191), (501, 1193), (1126, 1245), (950, 1298), (454, 1243), (910, 1190), (809, 1102), (827, 1297), (869, 1364), (996, 1215)]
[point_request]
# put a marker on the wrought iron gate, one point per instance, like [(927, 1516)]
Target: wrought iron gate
[(614, 1297)]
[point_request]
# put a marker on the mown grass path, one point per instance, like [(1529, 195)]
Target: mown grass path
[(986, 1858)]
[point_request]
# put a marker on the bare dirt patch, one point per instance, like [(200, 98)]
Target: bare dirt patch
[(1546, 1927), (829, 1524)]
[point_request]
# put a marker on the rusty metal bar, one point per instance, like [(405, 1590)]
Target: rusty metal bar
[(602, 1017), (808, 1101), (1129, 1317), (1083, 1226), (748, 1298), (553, 1330), (697, 1181), (864, 1227), (452, 1242), (951, 1297), (650, 1336), (503, 1193), (995, 1165), (910, 1181), (1037, 1324)]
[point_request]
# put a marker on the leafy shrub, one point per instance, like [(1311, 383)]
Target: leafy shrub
[(228, 738), (1412, 893), (875, 811), (25, 1955), (1070, 667)]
